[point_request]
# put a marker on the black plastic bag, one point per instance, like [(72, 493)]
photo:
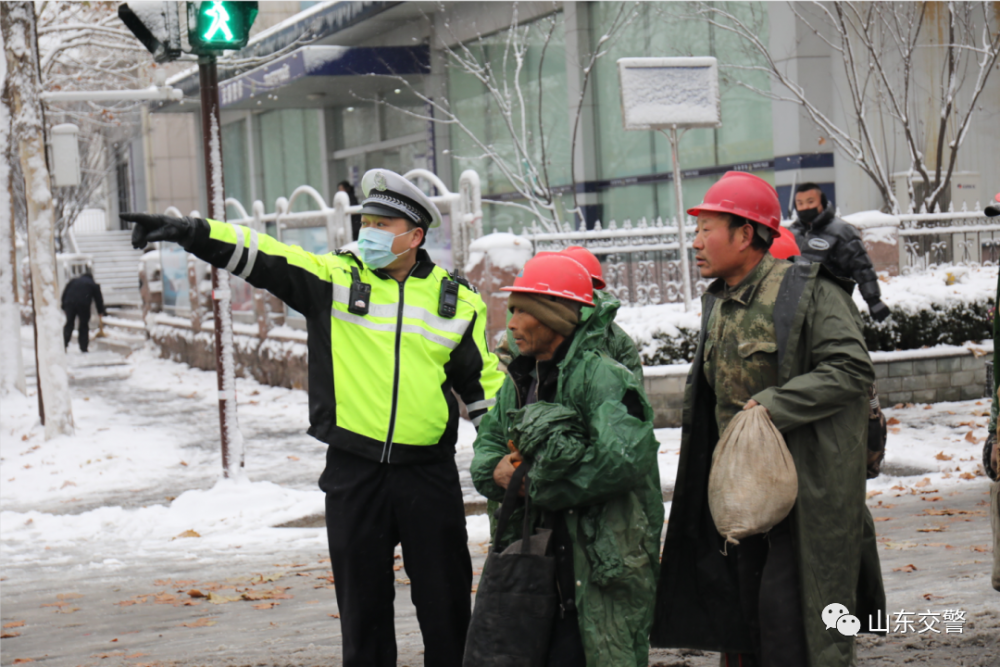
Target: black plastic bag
[(516, 601)]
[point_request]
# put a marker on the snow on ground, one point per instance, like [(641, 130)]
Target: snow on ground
[(921, 290), (930, 446), (143, 467)]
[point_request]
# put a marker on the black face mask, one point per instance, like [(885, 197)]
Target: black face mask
[(807, 216)]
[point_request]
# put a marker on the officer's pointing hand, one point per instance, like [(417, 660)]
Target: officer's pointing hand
[(149, 228)]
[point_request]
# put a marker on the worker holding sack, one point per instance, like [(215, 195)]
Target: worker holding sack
[(784, 336)]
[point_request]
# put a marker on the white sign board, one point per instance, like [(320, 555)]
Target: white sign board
[(65, 155), (658, 93)]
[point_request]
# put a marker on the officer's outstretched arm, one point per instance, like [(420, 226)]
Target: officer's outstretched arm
[(295, 276)]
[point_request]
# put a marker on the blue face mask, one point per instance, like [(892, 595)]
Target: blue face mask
[(375, 247)]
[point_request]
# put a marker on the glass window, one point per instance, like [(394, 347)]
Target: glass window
[(665, 29), (539, 125), (289, 155), (234, 163)]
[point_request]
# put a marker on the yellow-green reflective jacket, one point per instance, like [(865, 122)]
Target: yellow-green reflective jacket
[(380, 384)]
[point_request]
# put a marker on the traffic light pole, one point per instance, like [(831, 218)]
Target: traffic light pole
[(232, 440)]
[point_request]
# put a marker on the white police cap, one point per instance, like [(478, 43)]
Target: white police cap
[(388, 194)]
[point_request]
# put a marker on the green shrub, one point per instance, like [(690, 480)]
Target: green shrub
[(937, 325)]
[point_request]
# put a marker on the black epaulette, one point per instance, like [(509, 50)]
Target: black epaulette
[(462, 280)]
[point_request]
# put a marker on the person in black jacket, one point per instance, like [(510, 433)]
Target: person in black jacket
[(76, 299), (822, 237)]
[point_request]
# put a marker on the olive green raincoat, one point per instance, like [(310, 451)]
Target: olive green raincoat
[(820, 406), (599, 463)]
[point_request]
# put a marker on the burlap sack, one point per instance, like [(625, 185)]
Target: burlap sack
[(753, 484)]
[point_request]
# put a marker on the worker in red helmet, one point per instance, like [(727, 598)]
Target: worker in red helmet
[(583, 425), (786, 336), (785, 247), (618, 344)]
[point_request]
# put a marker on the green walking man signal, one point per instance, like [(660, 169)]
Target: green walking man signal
[(217, 25), (220, 22), (212, 26)]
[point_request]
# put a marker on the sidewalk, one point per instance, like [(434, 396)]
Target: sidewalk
[(96, 571)]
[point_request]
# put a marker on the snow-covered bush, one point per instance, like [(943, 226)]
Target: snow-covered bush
[(945, 306)]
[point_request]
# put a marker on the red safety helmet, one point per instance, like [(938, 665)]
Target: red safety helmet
[(589, 261), (745, 195), (555, 274), (784, 246)]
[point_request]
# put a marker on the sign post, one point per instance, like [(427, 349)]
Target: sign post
[(667, 94), (212, 27)]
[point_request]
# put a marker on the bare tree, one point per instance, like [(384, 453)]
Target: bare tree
[(22, 89), (522, 155), (84, 46), (880, 45)]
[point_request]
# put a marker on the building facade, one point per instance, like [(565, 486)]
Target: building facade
[(504, 88)]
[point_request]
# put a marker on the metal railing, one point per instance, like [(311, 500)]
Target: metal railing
[(641, 262), (930, 240)]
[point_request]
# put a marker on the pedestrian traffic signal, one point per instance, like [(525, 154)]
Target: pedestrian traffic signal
[(218, 25)]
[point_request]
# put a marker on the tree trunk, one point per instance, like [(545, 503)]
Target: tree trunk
[(20, 44), (12, 367)]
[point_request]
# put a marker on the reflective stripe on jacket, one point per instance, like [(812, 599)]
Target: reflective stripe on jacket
[(380, 384)]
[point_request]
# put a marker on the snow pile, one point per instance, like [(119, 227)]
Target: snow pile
[(230, 510), (876, 226), (664, 333), (505, 250), (928, 290)]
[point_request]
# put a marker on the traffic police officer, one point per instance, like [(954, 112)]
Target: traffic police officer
[(390, 336)]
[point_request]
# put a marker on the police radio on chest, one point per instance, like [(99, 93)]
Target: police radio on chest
[(361, 294), (448, 298)]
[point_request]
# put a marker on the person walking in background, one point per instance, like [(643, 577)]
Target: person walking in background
[(345, 186), (77, 298), (823, 237)]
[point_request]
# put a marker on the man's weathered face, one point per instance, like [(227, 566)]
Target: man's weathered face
[(396, 226), (719, 249), (808, 199), (531, 336)]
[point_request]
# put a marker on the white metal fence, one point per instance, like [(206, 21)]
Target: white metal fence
[(641, 262), (928, 240)]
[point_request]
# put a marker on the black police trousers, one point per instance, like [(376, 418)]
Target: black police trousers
[(772, 604), (73, 314), (370, 508)]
